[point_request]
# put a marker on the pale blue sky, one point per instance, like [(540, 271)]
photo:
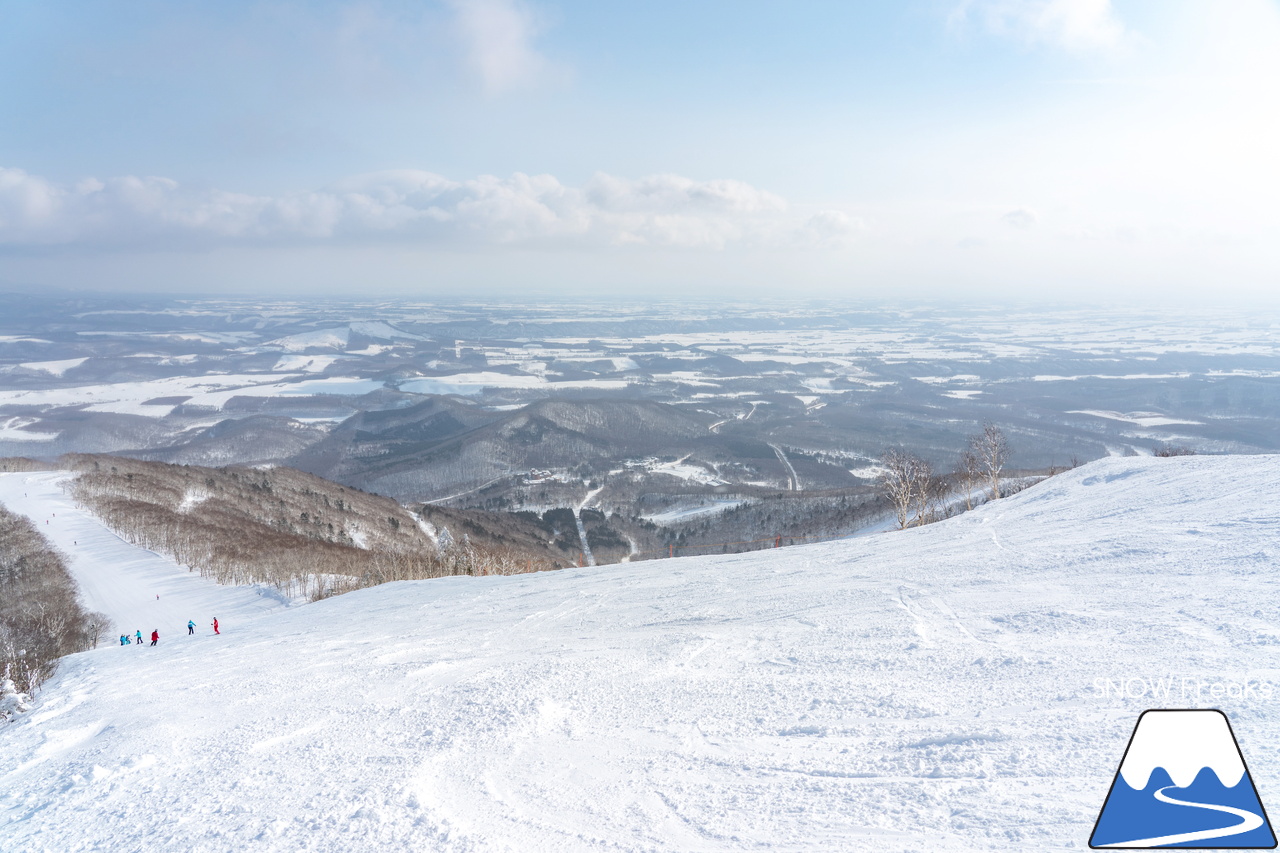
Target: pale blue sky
[(985, 146)]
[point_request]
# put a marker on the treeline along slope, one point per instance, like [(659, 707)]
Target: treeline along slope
[(299, 532)]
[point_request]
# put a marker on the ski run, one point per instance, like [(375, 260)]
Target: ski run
[(965, 686)]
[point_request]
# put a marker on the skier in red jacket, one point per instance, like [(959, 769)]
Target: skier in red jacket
[(215, 626), (155, 637)]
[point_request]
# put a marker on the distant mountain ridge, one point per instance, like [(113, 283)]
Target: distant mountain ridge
[(436, 446)]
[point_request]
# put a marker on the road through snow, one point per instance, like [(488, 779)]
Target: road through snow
[(795, 478)]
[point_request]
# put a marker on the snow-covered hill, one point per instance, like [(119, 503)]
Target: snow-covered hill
[(946, 688), (137, 589)]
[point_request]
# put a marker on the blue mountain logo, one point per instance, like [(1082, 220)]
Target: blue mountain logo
[(1183, 783)]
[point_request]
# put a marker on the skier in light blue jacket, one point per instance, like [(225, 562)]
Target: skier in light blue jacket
[(191, 627)]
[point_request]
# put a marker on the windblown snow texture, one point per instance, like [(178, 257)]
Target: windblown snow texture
[(942, 689)]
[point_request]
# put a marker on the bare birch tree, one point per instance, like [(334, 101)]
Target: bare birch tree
[(991, 450), (970, 475), (907, 482)]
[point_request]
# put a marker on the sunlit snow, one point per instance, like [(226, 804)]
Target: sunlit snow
[(966, 686)]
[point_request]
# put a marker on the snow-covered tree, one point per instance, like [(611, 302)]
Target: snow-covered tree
[(12, 703)]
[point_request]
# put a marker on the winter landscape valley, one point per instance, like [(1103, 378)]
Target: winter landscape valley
[(555, 426), (962, 685), (654, 426)]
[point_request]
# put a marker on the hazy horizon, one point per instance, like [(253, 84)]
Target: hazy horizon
[(960, 149)]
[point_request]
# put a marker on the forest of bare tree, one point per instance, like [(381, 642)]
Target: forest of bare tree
[(41, 618), (300, 533), (919, 495)]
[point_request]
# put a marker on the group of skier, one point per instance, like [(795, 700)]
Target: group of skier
[(136, 638), (126, 640)]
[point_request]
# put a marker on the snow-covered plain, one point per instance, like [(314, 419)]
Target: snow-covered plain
[(1146, 419), (132, 397), (970, 685)]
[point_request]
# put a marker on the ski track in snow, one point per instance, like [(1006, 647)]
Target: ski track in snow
[(921, 690), (582, 538), (582, 530), (485, 485)]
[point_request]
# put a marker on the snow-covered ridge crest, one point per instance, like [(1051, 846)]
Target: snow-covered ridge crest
[(1183, 743)]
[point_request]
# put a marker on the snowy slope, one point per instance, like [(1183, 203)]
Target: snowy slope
[(334, 338), (934, 689), (138, 589)]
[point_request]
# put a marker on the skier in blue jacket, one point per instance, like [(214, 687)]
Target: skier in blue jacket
[(191, 627)]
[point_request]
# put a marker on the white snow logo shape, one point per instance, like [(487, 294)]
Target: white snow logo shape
[(1183, 783)]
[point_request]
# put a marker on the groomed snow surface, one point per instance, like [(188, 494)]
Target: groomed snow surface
[(938, 689)]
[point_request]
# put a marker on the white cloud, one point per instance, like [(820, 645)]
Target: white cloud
[(1075, 25), (1022, 217), (830, 229), (412, 207), (24, 200), (498, 39)]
